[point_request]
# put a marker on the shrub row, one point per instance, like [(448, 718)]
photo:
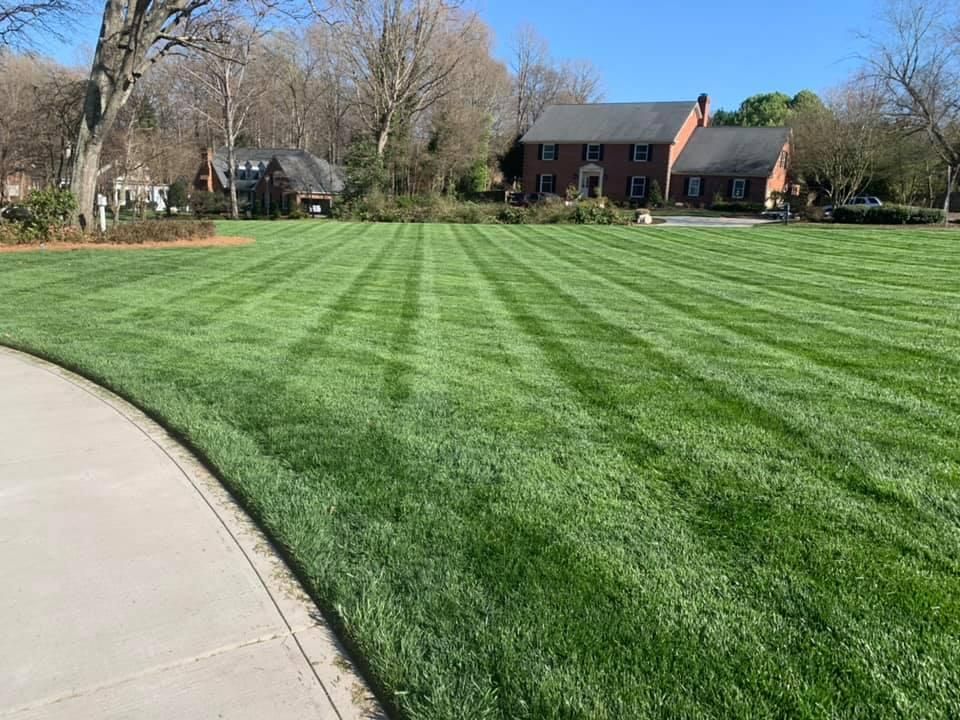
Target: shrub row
[(443, 210), (134, 233), (137, 233), (887, 215)]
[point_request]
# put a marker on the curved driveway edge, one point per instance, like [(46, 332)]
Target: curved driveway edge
[(132, 585)]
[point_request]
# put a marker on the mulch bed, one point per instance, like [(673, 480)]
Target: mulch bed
[(59, 247)]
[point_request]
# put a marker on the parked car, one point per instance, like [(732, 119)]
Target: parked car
[(16, 213), (868, 200)]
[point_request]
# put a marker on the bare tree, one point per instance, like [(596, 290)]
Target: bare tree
[(400, 53), (134, 35), (22, 20), (539, 81), (837, 145), (221, 78), (917, 60)]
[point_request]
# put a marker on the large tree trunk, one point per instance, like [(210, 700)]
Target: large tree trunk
[(108, 88)]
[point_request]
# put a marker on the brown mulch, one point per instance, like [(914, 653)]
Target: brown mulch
[(59, 247)]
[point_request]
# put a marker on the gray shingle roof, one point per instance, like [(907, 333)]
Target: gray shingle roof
[(749, 152), (651, 122), (305, 171)]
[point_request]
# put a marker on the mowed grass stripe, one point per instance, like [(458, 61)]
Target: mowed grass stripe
[(745, 274), (567, 472), (811, 347)]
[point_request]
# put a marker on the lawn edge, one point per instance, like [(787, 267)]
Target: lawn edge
[(281, 576)]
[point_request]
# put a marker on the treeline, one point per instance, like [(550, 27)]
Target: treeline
[(408, 95)]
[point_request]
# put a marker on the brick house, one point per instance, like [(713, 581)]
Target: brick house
[(268, 178), (620, 150)]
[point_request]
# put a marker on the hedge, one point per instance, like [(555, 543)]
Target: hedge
[(886, 215)]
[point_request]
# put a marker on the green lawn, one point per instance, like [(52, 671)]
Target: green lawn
[(562, 472)]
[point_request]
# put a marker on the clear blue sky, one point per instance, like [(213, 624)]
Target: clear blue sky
[(668, 50), (676, 49)]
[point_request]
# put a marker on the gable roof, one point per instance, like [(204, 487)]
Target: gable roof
[(750, 152), (304, 170), (254, 156), (654, 122)]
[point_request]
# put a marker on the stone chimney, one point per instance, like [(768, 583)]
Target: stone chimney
[(704, 102)]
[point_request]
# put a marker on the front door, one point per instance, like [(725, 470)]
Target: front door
[(593, 186)]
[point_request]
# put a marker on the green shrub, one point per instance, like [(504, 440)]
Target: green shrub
[(655, 198), (510, 215), (50, 209), (295, 214), (208, 203), (136, 233), (596, 212), (887, 215), (177, 195)]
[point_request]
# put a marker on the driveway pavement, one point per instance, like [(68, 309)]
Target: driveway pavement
[(694, 221), (132, 586)]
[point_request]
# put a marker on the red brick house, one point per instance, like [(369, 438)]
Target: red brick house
[(620, 149), (272, 178)]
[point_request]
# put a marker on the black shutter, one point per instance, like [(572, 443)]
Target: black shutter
[(649, 153), (537, 188), (601, 153), (629, 187), (633, 153), (730, 190), (540, 152), (584, 153), (746, 190), (556, 151), (686, 187), (554, 183)]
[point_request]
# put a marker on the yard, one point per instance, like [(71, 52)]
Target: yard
[(564, 472)]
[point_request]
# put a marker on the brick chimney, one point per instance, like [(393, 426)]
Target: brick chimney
[(704, 102), (205, 176)]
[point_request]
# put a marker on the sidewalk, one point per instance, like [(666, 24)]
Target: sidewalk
[(132, 586)]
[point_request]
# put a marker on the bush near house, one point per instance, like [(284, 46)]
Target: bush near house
[(887, 215), (208, 203)]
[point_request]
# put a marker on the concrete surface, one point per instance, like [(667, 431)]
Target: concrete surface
[(693, 221), (132, 586)]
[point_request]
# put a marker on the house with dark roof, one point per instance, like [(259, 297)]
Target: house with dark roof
[(619, 150), (268, 178)]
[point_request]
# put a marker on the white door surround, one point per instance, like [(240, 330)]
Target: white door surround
[(586, 172)]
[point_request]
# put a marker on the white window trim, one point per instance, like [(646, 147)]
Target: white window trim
[(743, 189), (552, 184), (646, 153), (633, 184), (690, 192), (591, 158), (553, 152)]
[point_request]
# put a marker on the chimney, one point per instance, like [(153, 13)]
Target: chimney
[(206, 173), (704, 102)]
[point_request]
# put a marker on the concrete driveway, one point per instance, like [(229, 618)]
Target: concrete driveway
[(694, 221), (132, 586)]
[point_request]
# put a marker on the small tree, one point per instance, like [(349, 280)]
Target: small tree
[(177, 195), (656, 194), (365, 171)]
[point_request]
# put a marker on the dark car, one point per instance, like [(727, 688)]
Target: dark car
[(16, 213)]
